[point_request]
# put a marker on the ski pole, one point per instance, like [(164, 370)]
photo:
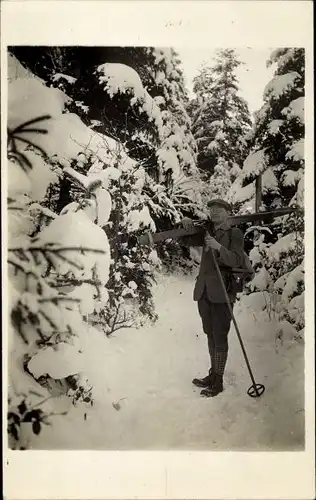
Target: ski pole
[(255, 390)]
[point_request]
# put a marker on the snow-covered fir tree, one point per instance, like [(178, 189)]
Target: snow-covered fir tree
[(220, 116), (177, 153), (278, 156), (222, 179), (167, 149), (278, 134), (48, 328), (127, 165), (140, 95)]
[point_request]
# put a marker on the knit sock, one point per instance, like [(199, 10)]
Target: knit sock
[(211, 348), (220, 362)]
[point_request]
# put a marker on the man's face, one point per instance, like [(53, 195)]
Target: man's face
[(218, 214)]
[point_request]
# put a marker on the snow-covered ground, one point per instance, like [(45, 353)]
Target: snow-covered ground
[(144, 398)]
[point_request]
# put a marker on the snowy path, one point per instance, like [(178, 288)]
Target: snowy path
[(149, 372)]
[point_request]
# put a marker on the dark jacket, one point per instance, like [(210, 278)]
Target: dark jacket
[(230, 255)]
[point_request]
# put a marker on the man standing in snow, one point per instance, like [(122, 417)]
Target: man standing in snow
[(227, 245)]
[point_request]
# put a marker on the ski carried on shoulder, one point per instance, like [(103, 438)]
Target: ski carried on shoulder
[(234, 220)]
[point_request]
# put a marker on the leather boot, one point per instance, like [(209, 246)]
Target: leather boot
[(204, 382), (214, 389), (217, 384)]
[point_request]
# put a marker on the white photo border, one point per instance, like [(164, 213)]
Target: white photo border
[(161, 475)]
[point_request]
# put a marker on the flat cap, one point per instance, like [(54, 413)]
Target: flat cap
[(222, 203)]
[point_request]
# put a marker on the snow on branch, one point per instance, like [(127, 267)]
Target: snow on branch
[(296, 109), (254, 165), (283, 246), (15, 137), (279, 85), (296, 151), (61, 76), (37, 208), (281, 56), (269, 182), (121, 78), (274, 126), (292, 177)]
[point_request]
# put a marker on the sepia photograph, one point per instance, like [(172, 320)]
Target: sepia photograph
[(157, 243), (156, 248)]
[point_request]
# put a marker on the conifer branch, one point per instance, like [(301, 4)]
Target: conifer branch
[(56, 250), (30, 122)]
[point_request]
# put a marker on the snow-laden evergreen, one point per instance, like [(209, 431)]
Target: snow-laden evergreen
[(278, 156), (129, 84), (278, 133), (176, 153), (164, 146), (76, 175), (99, 153), (220, 120), (48, 321)]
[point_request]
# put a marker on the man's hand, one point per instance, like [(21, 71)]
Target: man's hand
[(187, 223), (211, 242)]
